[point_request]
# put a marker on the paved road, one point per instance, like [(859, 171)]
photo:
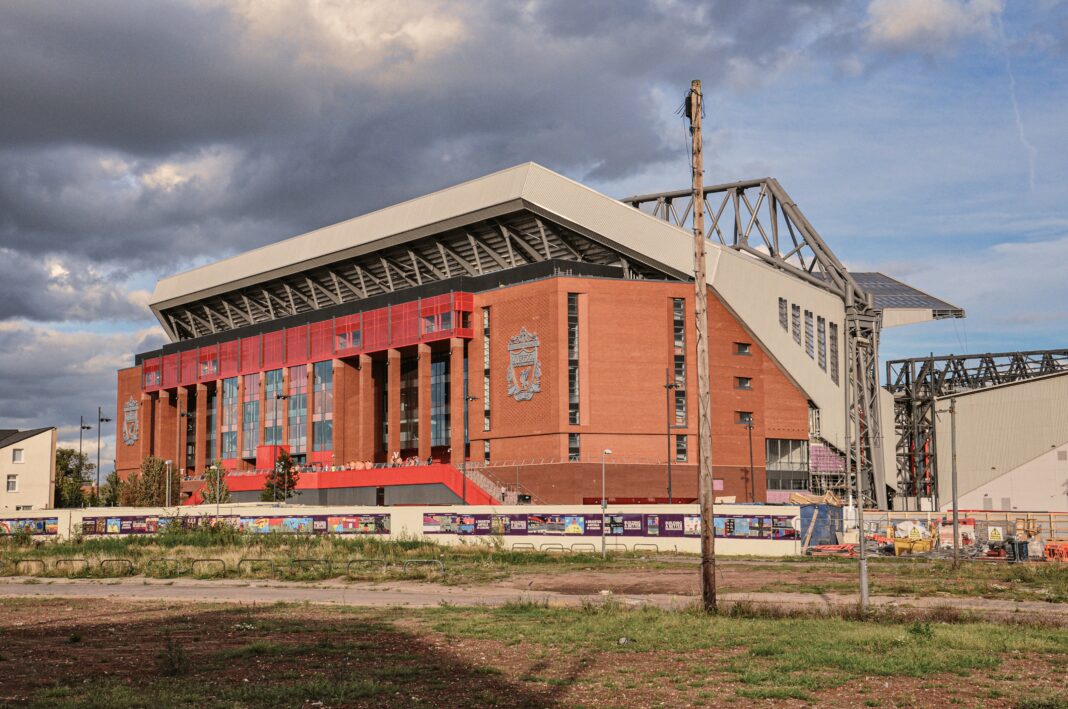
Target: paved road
[(422, 595)]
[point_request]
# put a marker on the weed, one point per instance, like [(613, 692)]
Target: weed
[(172, 661)]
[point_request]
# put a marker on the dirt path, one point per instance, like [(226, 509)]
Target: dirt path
[(421, 595)]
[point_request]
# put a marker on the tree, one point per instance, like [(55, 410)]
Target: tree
[(73, 471), (215, 489), (149, 487), (111, 490), (281, 483)]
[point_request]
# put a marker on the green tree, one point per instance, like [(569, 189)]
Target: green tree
[(148, 488), (73, 471), (215, 489), (281, 483), (111, 490)]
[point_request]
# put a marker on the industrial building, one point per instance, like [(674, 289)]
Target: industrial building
[(1011, 412), (516, 328)]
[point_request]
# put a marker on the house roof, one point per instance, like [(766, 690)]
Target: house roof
[(9, 437)]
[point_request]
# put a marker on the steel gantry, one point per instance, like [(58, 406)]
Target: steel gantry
[(918, 383), (759, 218)]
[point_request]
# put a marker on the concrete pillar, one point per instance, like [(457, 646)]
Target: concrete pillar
[(393, 384), (202, 429), (457, 393), (367, 403), (423, 381)]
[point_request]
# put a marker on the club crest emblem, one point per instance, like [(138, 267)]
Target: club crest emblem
[(129, 422), (524, 368)]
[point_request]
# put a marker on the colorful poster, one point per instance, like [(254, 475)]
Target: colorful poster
[(41, 525), (574, 525)]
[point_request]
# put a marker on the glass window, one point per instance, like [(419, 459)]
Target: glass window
[(409, 404), (680, 371), (681, 451), (17, 455), (297, 412), (574, 449), (743, 382), (834, 353), (678, 323), (485, 369), (250, 416), (486, 449), (795, 322), (439, 400), (680, 408), (784, 319), (743, 348), (323, 406), (12, 483), (210, 439), (572, 358), (229, 418), (273, 407), (810, 339), (787, 464), (821, 340), (745, 417)]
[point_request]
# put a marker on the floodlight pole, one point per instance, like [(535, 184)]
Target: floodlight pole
[(704, 402), (100, 419)]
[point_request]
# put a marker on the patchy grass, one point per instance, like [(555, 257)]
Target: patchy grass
[(523, 655)]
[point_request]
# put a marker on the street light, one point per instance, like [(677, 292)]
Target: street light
[(752, 478), (82, 426), (100, 418), (463, 457), (167, 494), (604, 502), (669, 386)]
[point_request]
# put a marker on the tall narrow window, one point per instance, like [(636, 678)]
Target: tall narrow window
[(273, 408), (229, 418), (210, 451), (810, 344), (795, 322), (250, 416), (821, 342), (485, 369), (409, 404), (297, 412), (323, 406), (784, 318), (486, 450), (439, 400), (834, 353), (572, 359), (574, 447), (678, 330), (681, 449)]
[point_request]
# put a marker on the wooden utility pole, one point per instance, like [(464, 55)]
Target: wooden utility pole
[(704, 403)]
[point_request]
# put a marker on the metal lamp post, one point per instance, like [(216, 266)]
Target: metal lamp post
[(100, 419), (752, 474), (463, 458), (669, 386), (604, 503), (82, 426)]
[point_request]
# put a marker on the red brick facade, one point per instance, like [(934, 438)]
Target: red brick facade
[(625, 349)]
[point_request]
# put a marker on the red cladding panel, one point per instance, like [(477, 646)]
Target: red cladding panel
[(188, 375), (228, 359), (376, 330), (297, 345), (170, 371), (274, 347), (250, 354), (404, 324), (322, 339)]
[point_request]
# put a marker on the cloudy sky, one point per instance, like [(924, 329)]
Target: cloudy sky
[(923, 138)]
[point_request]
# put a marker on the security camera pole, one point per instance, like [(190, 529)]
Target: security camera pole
[(704, 403)]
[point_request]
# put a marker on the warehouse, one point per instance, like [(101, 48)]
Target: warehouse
[(534, 334)]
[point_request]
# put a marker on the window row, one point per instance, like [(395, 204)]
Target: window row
[(819, 338)]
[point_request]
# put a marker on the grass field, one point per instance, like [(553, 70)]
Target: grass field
[(293, 557), (62, 653)]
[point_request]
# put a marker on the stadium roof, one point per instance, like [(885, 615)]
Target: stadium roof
[(515, 217)]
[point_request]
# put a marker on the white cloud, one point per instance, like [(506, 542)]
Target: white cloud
[(930, 26)]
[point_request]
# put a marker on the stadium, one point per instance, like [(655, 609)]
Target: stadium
[(521, 337)]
